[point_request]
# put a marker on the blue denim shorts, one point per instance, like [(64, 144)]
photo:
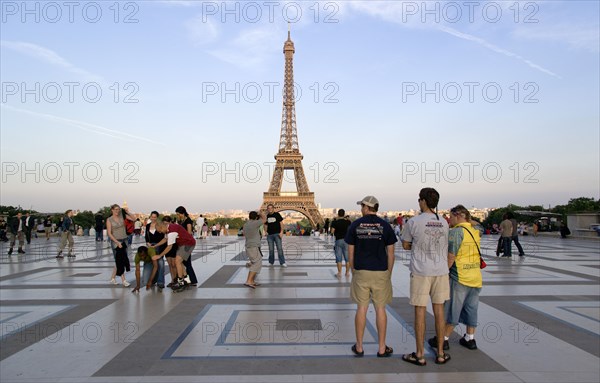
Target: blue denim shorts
[(463, 304), (341, 251)]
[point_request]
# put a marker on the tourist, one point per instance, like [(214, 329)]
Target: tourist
[(515, 233), (47, 227), (465, 279), (66, 236), (15, 231), (274, 235), (370, 242), (117, 233), (252, 234), (153, 237), (426, 235), (186, 243), (506, 230), (186, 222), (339, 228)]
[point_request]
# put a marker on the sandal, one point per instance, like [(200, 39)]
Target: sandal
[(256, 284), (248, 285), (414, 359), (445, 357), (355, 351), (387, 353)]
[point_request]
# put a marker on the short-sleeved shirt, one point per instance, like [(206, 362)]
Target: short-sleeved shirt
[(252, 233), (429, 237), (177, 234), (274, 223), (515, 226), (465, 269), (147, 258), (370, 235), (187, 221), (340, 226), (506, 227)]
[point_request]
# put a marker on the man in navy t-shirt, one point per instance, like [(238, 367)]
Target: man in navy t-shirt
[(370, 242)]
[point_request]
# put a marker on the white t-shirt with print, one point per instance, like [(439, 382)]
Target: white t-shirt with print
[(429, 237)]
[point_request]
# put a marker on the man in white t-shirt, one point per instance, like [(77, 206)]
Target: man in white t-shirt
[(426, 235)]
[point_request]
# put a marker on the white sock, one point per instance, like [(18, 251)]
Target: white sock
[(469, 337), (446, 338)]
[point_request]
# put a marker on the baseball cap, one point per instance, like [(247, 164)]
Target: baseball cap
[(369, 201)]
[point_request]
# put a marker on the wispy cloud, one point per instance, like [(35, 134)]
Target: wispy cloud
[(202, 31), (585, 37), (251, 48), (50, 57), (394, 12), (84, 126)]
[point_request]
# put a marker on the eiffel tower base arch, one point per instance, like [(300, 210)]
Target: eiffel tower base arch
[(303, 203)]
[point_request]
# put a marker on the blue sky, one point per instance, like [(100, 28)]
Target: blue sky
[(179, 103)]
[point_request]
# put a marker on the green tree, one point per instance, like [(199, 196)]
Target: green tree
[(84, 219)]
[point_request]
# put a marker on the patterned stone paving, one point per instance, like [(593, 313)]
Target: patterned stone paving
[(60, 321)]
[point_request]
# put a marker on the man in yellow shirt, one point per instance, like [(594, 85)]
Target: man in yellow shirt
[(465, 278)]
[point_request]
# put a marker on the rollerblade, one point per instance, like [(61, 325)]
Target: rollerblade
[(181, 284)]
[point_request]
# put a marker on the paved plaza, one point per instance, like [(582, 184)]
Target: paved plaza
[(61, 321)]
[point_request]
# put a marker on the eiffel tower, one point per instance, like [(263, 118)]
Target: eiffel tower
[(288, 157)]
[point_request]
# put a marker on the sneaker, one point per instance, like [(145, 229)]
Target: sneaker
[(10, 251), (470, 344), (126, 284), (21, 251), (187, 279), (112, 281), (284, 265), (434, 343), (170, 284), (71, 255)]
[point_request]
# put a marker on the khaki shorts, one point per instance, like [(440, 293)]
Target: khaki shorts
[(185, 251), (422, 288), (255, 259), (371, 285)]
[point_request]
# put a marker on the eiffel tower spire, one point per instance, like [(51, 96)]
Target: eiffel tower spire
[(288, 156), (288, 141)]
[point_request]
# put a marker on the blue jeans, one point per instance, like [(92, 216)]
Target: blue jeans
[(275, 239), (506, 243), (160, 273), (341, 251), (515, 239), (463, 304)]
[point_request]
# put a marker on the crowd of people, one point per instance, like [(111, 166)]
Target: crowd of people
[(444, 263)]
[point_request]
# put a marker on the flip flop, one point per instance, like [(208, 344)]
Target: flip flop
[(387, 353), (355, 351), (414, 359), (445, 358), (251, 286), (256, 284)]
